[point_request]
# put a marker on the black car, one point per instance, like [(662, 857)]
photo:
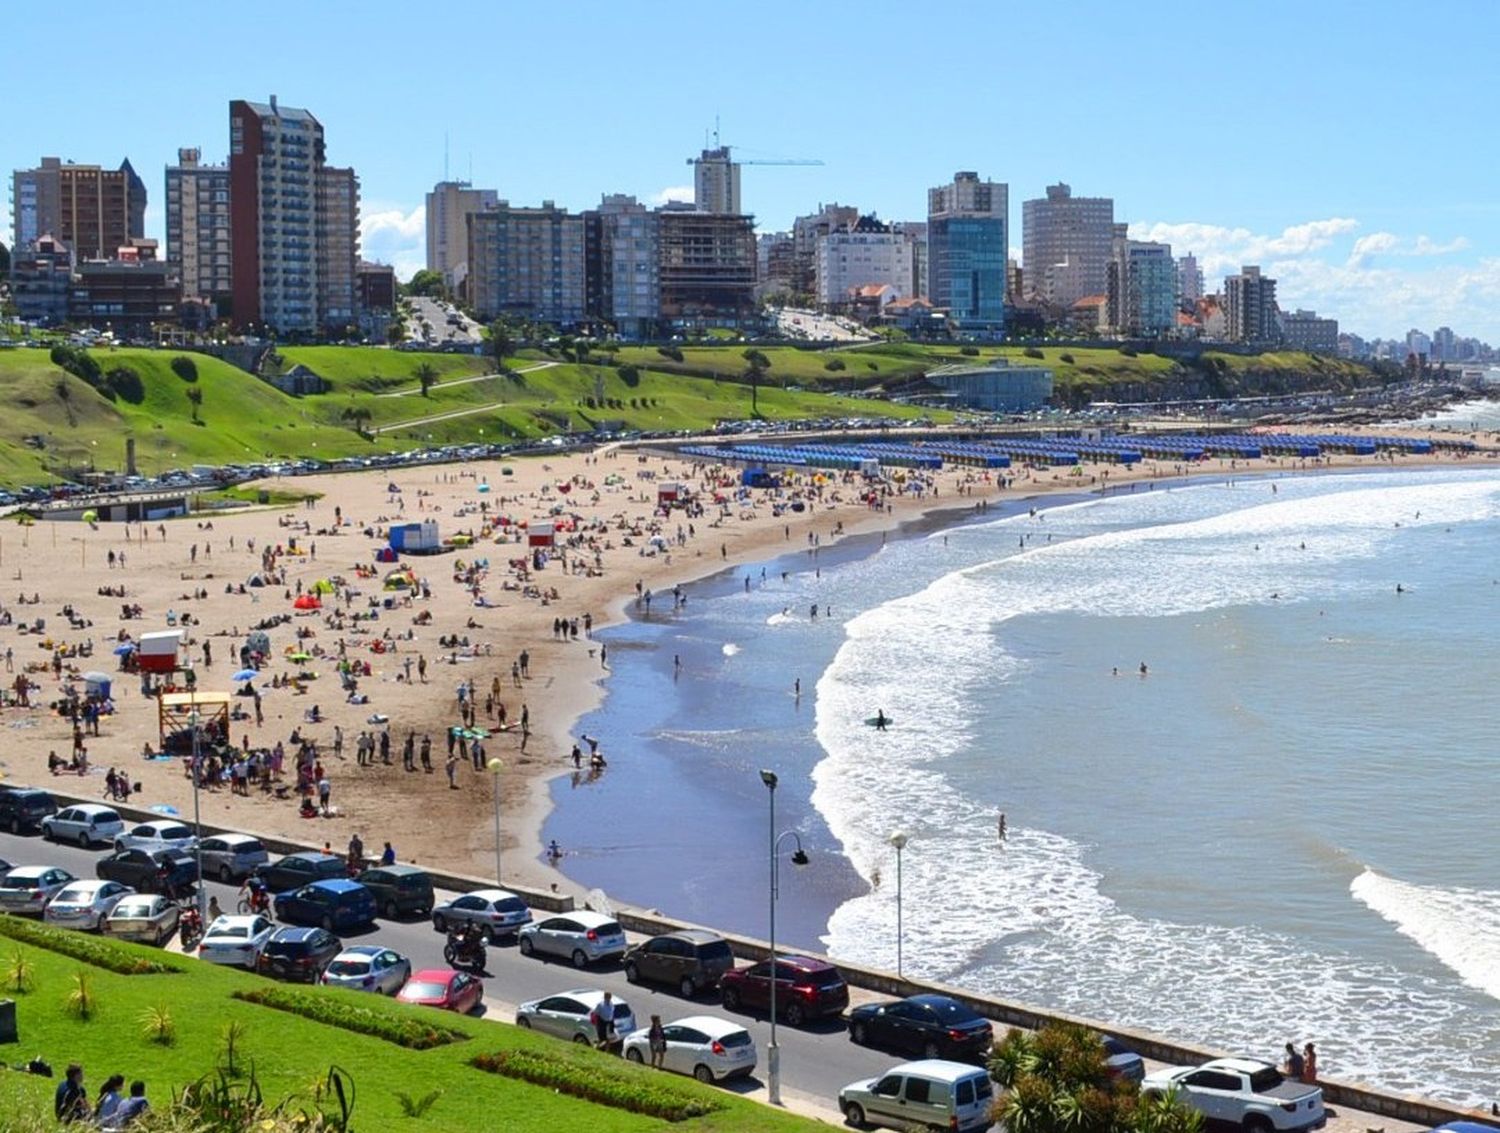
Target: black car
[(399, 889), (149, 871), (924, 1026), (23, 808), (299, 869), (298, 954)]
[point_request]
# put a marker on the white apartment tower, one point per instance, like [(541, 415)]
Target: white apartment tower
[(865, 253), (198, 244), (716, 182), (1065, 245), (1189, 279), (448, 207)]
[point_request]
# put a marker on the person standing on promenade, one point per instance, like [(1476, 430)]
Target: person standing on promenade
[(1309, 1064), (1294, 1064)]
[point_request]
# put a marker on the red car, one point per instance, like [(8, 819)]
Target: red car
[(805, 989), (445, 988)]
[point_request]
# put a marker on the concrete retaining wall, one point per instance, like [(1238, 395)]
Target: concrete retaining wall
[(1354, 1095)]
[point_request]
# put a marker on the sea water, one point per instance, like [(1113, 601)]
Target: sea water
[(1282, 831)]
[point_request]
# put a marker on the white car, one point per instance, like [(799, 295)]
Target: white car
[(368, 967), (499, 912), (28, 888), (171, 835), (236, 940), (584, 937), (88, 824), (566, 1015), (230, 857), (708, 1048), (85, 904), (1244, 1092), (148, 918)]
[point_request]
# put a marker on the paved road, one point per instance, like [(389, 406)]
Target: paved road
[(442, 331), (816, 1060)]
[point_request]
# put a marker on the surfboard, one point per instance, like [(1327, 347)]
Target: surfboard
[(874, 721)]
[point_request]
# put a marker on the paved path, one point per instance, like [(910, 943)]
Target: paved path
[(489, 408)]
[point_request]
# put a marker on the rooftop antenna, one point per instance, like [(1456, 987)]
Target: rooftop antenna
[(445, 155)]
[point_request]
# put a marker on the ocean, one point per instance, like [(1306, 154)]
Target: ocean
[(1279, 833)]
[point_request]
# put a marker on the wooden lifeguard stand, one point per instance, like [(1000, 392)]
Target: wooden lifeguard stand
[(175, 712)]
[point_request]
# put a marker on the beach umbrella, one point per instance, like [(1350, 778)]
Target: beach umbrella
[(123, 648), (307, 602), (245, 675), (90, 516), (97, 678), (484, 488)]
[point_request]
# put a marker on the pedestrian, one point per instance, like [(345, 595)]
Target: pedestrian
[(1294, 1063), (515, 673), (656, 1037), (452, 769), (1309, 1064), (385, 747), (70, 1103), (338, 741), (422, 668), (603, 1017), (427, 753), (325, 788), (388, 856), (408, 751), (525, 660), (604, 656)]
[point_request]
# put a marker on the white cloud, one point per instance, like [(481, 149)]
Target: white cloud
[(1425, 247), (391, 236), (673, 193)]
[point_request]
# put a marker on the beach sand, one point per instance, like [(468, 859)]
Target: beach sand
[(612, 493)]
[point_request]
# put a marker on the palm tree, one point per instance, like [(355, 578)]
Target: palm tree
[(426, 374), (501, 343)]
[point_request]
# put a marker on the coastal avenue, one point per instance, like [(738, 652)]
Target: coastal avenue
[(816, 1060)]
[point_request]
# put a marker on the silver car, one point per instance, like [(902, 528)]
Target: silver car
[(148, 918), (88, 824), (85, 904), (28, 888), (368, 967), (499, 912), (230, 857), (566, 1015), (584, 937)]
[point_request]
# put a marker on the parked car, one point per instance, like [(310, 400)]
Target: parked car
[(445, 988), (88, 824), (399, 889), (299, 869), (149, 871), (295, 953), (230, 857), (164, 835), (368, 967), (691, 960), (583, 937), (805, 989), (337, 904), (1243, 1092), (566, 1015), (708, 1048), (84, 904), (929, 1026), (235, 939), (23, 808), (932, 1093), (28, 888), (1122, 1062), (148, 918), (499, 912)]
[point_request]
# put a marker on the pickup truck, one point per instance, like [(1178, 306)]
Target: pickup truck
[(1244, 1093)]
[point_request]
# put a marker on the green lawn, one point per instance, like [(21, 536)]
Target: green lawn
[(290, 1054), (863, 366), (371, 369)]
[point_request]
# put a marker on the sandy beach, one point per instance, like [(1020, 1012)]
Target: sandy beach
[(487, 596)]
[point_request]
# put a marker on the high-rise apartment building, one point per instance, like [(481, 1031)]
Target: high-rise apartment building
[(623, 264), (1066, 245), (916, 233), (775, 257), (706, 266), (862, 254), (1444, 345), (716, 182), (198, 240), (1140, 287), (527, 263), (91, 209), (1250, 306), (966, 252), (1189, 279), (806, 232), (448, 207), (294, 222)]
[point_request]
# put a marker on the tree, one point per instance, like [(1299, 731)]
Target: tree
[(426, 374), (358, 417), (758, 365), (195, 397), (501, 343), (427, 282), (4, 260), (185, 368)]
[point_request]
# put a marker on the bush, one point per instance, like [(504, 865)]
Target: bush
[(672, 352), (112, 955), (834, 364), (1128, 351), (185, 368), (123, 380), (81, 1002), (629, 375), (1032, 352), (599, 1081), (78, 362), (1068, 358), (413, 1033), (969, 351)]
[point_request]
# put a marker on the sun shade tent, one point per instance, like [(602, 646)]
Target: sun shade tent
[(97, 685), (307, 602)]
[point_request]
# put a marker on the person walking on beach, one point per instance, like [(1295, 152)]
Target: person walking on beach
[(1001, 829), (452, 768), (408, 751), (427, 754), (1309, 1064)]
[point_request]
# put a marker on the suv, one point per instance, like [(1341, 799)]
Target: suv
[(23, 808), (805, 988), (299, 869), (692, 960), (399, 889), (298, 954)]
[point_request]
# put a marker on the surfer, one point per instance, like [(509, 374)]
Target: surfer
[(881, 720), (1143, 668), (1000, 828), (1400, 589)]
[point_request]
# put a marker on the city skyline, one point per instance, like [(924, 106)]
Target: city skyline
[(1333, 196)]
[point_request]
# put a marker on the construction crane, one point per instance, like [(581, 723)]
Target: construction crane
[(722, 153)]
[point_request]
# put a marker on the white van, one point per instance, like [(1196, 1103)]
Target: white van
[(938, 1094)]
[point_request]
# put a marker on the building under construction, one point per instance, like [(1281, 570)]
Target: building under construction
[(706, 267)]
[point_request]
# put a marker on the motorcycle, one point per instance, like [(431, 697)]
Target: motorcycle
[(462, 952), (189, 927)]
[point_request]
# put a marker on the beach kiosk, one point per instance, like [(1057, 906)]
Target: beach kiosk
[(158, 651), (416, 538), (668, 495), (540, 535), (176, 712)]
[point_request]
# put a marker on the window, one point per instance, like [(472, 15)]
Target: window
[(965, 1092), (889, 1086), (918, 1090)]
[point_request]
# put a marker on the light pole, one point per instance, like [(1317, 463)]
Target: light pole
[(898, 840), (194, 719), (495, 766), (799, 857)]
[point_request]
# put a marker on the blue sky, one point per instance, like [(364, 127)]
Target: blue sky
[(1345, 147)]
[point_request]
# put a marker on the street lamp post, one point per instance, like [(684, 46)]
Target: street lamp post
[(194, 718), (799, 857), (898, 840), (495, 766)]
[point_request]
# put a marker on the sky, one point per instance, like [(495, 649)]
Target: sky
[(1345, 147)]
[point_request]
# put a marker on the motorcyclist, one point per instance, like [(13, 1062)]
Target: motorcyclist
[(255, 894), (468, 942)]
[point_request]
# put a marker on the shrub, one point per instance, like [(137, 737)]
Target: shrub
[(834, 364), (81, 1002), (78, 362), (1128, 351), (1068, 358), (1032, 352), (413, 1033), (185, 368), (19, 973), (629, 374), (112, 955), (231, 1039), (969, 351), (599, 1081), (672, 352), (158, 1026), (125, 382)]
